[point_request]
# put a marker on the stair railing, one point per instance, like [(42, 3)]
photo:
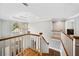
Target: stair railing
[(16, 45), (67, 43)]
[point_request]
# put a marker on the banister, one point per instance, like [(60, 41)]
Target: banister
[(43, 37), (45, 40), (63, 43), (76, 37), (20, 51), (10, 37), (68, 36), (64, 48)]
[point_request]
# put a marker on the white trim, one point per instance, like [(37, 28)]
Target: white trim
[(76, 15), (73, 47), (55, 49), (59, 50), (2, 52)]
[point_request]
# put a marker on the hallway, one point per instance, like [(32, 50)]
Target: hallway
[(39, 29)]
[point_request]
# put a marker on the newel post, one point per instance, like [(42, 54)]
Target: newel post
[(40, 37)]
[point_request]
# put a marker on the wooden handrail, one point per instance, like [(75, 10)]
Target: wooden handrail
[(45, 40), (76, 37), (11, 37), (68, 36)]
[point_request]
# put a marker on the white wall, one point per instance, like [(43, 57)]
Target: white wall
[(73, 24), (58, 26), (7, 26), (45, 27), (76, 26), (69, 25), (0, 28)]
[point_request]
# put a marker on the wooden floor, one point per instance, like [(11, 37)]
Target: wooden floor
[(31, 52)]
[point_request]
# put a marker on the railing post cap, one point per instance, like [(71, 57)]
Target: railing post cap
[(40, 33)]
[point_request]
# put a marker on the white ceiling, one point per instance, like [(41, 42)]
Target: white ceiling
[(38, 11)]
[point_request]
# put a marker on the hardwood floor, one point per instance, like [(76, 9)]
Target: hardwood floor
[(31, 52)]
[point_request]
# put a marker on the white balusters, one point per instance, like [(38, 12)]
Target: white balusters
[(18, 44), (2, 52), (4, 48), (39, 44), (10, 48), (74, 47), (22, 48), (14, 46), (67, 43)]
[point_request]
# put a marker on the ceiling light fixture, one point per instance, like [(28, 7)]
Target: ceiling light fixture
[(25, 4)]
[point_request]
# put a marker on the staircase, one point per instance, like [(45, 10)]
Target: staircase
[(26, 45), (23, 45)]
